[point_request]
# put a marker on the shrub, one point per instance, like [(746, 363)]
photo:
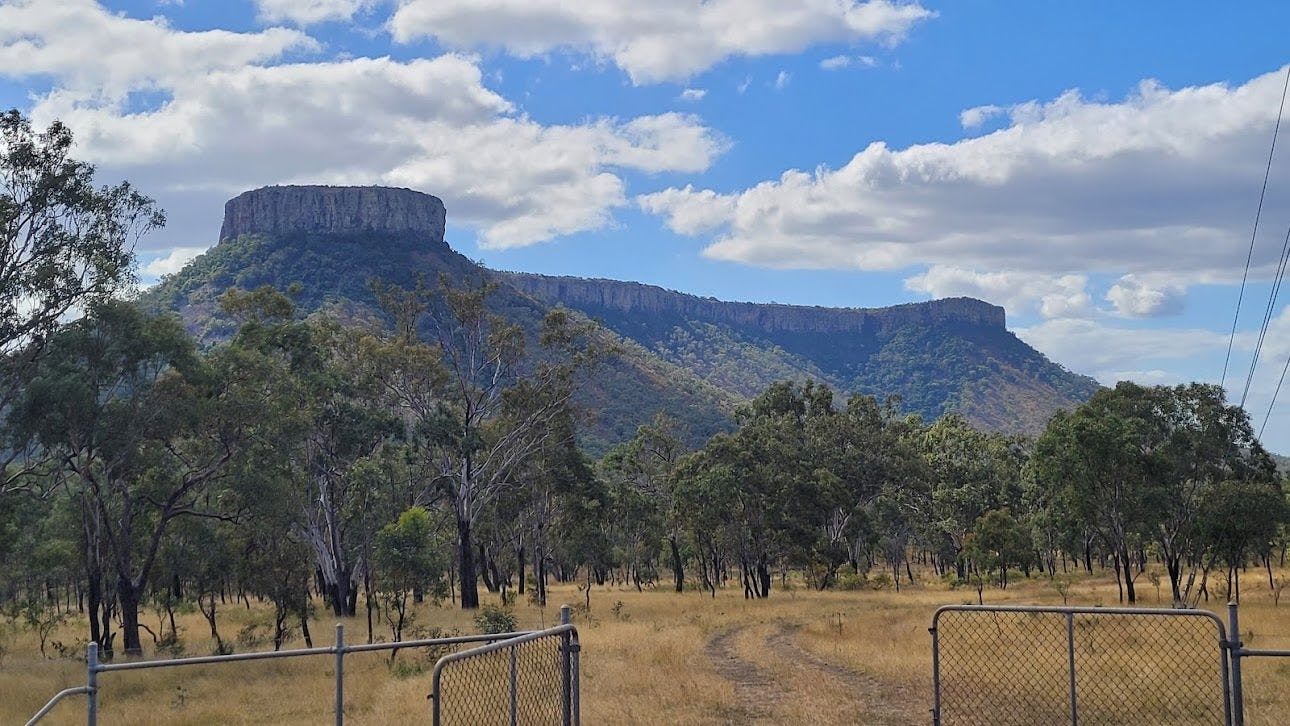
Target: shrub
[(493, 619)]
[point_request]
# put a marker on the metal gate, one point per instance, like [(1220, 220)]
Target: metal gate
[(530, 679), (1031, 664), (513, 678)]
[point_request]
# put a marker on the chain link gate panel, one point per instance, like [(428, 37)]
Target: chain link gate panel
[(531, 679), (1029, 665)]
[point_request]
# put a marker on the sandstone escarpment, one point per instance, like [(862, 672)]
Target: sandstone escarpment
[(634, 297), (283, 210)]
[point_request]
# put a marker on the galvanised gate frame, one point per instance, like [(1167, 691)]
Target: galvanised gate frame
[(564, 696), (1039, 664)]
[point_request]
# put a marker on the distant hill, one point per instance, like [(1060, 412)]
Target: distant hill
[(696, 358), (940, 356), (1283, 464)]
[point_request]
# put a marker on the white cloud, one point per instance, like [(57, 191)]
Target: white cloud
[(172, 262), (693, 94), (743, 86), (1053, 296), (782, 80), (976, 116), (92, 52), (689, 212), (1141, 296), (309, 12), (226, 122), (1092, 347), (839, 62), (655, 41), (1161, 182)]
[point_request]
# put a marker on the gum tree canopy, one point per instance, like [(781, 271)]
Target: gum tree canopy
[(63, 243)]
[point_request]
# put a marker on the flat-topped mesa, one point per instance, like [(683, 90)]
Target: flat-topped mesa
[(328, 210), (592, 295)]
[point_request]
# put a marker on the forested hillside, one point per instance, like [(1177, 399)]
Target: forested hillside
[(331, 269), (945, 356), (693, 358)]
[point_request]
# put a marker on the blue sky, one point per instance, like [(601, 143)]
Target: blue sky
[(1093, 167)]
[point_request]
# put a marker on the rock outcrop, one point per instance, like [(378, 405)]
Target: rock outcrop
[(283, 210), (612, 295)]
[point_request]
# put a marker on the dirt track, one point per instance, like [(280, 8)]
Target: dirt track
[(759, 692)]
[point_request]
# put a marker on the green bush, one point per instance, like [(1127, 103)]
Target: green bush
[(494, 619)]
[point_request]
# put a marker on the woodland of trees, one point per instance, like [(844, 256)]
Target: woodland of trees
[(363, 467)]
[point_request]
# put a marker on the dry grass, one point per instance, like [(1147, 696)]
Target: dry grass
[(799, 657)]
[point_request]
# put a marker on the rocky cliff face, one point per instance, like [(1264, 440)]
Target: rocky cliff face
[(646, 299), (323, 210)]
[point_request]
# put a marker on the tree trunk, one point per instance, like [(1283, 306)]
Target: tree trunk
[(128, 599), (678, 568), (519, 561), (303, 612), (1128, 577), (465, 550)]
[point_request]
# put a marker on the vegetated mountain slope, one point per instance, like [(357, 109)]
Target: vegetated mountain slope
[(940, 356), (333, 265), (1283, 464), (695, 358)]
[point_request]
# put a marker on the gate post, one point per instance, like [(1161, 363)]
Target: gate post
[(92, 684), (340, 674), (566, 667), (936, 669), (1234, 653)]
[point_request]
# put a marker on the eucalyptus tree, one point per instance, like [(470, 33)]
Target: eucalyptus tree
[(330, 424), (479, 405), (65, 245), (409, 557), (142, 430), (1103, 467), (639, 473), (1207, 446), (1238, 519), (972, 472)]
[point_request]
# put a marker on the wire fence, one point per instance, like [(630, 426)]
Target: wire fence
[(527, 679), (1027, 665), (531, 679)]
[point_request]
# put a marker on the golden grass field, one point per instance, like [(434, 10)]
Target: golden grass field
[(799, 657)]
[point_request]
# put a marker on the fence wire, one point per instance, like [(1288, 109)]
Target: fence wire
[(521, 681), (1049, 665)]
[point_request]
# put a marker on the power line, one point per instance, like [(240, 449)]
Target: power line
[(1268, 312), (1254, 234), (1273, 402)]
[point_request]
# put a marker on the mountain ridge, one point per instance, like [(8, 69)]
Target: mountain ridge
[(626, 296), (696, 358)]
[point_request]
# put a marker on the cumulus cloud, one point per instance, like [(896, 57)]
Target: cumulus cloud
[(1098, 349), (172, 261), (93, 52), (228, 119), (1160, 182), (693, 94), (976, 116), (309, 12), (1053, 296), (1141, 296), (689, 211), (664, 40), (782, 80), (1110, 352)]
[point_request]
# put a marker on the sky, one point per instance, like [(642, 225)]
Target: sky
[(1095, 168)]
